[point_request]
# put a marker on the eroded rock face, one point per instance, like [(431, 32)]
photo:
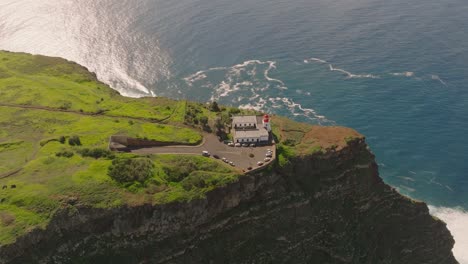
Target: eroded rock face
[(324, 208)]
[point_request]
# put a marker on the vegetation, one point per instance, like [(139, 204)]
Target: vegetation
[(126, 170), (55, 123), (74, 141)]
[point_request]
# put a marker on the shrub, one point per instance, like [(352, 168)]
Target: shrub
[(251, 155), (180, 170), (234, 111), (131, 170), (65, 154), (96, 153), (289, 142), (74, 141), (214, 107), (62, 139)]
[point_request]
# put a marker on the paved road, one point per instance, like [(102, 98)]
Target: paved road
[(238, 155)]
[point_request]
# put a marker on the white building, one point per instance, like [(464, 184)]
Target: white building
[(251, 129)]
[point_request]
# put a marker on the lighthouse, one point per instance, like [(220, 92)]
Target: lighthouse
[(266, 123)]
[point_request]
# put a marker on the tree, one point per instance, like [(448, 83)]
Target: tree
[(204, 120), (74, 141), (214, 107)]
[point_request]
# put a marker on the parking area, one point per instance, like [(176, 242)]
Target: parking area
[(242, 157)]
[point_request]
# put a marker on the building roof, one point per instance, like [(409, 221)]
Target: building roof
[(244, 119), (255, 133)]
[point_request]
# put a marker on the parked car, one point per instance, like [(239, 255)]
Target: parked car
[(231, 144), (253, 145), (216, 156), (232, 163), (224, 159), (245, 145), (268, 155), (267, 159), (259, 163), (237, 144), (249, 168), (205, 153), (268, 150)]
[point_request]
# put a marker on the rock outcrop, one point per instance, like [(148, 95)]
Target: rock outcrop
[(322, 208)]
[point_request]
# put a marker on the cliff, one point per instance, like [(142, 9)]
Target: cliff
[(326, 207), (322, 200)]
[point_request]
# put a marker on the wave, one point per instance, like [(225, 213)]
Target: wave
[(456, 219), (404, 74), (437, 78), (350, 75), (250, 85), (347, 73), (315, 59)]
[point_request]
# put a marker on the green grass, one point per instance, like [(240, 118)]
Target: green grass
[(62, 95)]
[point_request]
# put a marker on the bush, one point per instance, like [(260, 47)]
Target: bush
[(180, 170), (214, 107), (62, 139), (96, 153), (74, 141), (65, 154), (289, 142), (131, 170)]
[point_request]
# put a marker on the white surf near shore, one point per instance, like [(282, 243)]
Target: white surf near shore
[(250, 85), (457, 223)]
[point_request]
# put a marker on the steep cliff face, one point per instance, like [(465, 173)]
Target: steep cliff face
[(321, 208)]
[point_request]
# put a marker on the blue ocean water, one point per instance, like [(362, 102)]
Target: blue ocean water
[(396, 71)]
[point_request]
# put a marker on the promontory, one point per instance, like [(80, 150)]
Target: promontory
[(90, 176)]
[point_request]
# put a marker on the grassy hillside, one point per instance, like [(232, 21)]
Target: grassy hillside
[(46, 101), (55, 123)]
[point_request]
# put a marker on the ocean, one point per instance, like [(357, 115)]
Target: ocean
[(396, 71)]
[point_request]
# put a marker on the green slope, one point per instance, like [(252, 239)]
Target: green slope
[(43, 99)]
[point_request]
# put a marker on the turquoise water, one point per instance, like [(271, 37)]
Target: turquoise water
[(396, 71)]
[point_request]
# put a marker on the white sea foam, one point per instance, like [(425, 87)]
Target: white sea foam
[(457, 223), (352, 75), (315, 60), (249, 85), (128, 86), (347, 73), (405, 74), (437, 78)]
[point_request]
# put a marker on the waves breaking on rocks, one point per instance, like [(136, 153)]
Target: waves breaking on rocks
[(250, 85)]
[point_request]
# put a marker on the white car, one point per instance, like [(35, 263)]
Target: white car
[(238, 145), (268, 155), (232, 163), (267, 159), (205, 153), (230, 144), (259, 163)]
